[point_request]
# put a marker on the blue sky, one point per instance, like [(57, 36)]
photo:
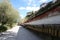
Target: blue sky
[(24, 6)]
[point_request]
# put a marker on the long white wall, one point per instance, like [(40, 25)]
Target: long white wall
[(50, 20)]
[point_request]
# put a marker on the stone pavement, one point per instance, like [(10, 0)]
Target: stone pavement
[(7, 36)]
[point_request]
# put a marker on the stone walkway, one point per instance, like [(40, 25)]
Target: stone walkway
[(10, 34), (7, 36), (23, 34)]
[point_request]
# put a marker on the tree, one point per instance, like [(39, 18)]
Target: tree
[(8, 15)]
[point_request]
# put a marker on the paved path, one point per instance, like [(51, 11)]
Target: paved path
[(10, 34), (14, 34), (24, 34), (7, 36)]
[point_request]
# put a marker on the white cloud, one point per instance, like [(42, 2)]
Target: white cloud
[(22, 16), (32, 5), (42, 1), (34, 2), (28, 8), (21, 8), (29, 2)]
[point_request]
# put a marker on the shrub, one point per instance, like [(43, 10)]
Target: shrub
[(3, 28)]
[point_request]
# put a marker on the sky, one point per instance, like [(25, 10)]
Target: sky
[(24, 6)]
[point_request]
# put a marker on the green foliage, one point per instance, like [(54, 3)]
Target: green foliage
[(43, 9), (8, 15), (49, 6), (3, 28)]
